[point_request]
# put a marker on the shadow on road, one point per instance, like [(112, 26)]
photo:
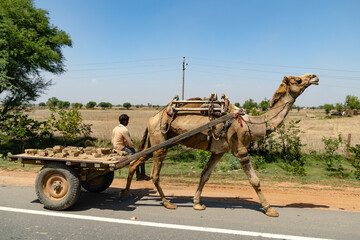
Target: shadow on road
[(304, 205), (109, 200)]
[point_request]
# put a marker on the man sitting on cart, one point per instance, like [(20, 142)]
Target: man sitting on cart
[(122, 142)]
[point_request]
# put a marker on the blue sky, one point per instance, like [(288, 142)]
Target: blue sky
[(131, 51)]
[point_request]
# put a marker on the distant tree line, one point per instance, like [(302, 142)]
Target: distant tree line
[(250, 106), (351, 103), (54, 102)]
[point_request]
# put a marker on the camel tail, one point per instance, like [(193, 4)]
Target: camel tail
[(143, 140)]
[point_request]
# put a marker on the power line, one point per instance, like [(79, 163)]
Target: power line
[(121, 74), (114, 68), (262, 79), (283, 66), (269, 71), (124, 61)]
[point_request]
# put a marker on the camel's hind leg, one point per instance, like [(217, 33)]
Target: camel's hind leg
[(205, 175), (255, 183), (132, 170), (159, 156)]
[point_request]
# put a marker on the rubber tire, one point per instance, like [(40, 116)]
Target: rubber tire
[(105, 182), (73, 191)]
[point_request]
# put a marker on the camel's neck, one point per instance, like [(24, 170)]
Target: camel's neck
[(265, 124), (277, 113)]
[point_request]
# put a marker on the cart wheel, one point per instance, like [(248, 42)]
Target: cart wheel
[(57, 186), (99, 183)]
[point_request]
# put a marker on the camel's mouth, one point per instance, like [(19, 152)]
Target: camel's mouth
[(314, 81)]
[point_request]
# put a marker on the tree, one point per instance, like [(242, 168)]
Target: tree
[(77, 105), (237, 104), (105, 105), (52, 102), (29, 45), (42, 104), (250, 104), (352, 102), (264, 104), (339, 107), (63, 104), (90, 105), (328, 108), (127, 105)]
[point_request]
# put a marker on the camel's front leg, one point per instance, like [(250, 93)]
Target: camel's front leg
[(255, 182), (132, 170), (205, 175), (158, 159)]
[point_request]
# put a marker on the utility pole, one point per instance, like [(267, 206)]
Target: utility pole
[(183, 79)]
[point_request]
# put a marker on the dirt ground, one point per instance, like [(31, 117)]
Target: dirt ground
[(279, 195)]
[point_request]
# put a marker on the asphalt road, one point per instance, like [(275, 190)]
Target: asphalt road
[(102, 216)]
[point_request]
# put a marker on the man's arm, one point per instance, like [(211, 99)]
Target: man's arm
[(128, 141)]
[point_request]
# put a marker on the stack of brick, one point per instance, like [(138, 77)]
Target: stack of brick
[(74, 152)]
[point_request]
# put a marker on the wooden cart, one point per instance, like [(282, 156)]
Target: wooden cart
[(65, 170)]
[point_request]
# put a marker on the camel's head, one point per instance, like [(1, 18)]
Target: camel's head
[(294, 86)]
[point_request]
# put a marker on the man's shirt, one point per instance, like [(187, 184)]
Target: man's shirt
[(121, 138)]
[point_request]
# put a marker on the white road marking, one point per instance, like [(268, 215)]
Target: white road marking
[(158, 225)]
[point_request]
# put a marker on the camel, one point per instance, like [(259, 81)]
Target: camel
[(236, 138)]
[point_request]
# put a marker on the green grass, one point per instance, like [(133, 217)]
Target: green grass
[(13, 165)]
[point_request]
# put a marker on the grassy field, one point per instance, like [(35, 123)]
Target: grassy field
[(313, 124)]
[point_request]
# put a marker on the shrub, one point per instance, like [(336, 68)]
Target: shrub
[(291, 147), (202, 157), (180, 154), (266, 147), (234, 162), (333, 161), (258, 162), (69, 123), (285, 144), (18, 127), (355, 160)]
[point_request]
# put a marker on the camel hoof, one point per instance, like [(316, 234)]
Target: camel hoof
[(123, 193), (271, 212), (169, 205), (198, 206)]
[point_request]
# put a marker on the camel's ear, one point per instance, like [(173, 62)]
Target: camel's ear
[(279, 93), (285, 80)]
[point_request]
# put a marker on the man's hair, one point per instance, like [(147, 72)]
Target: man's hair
[(123, 118)]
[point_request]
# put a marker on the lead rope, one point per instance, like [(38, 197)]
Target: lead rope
[(169, 126), (211, 132)]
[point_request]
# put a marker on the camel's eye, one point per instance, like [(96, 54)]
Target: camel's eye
[(298, 81)]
